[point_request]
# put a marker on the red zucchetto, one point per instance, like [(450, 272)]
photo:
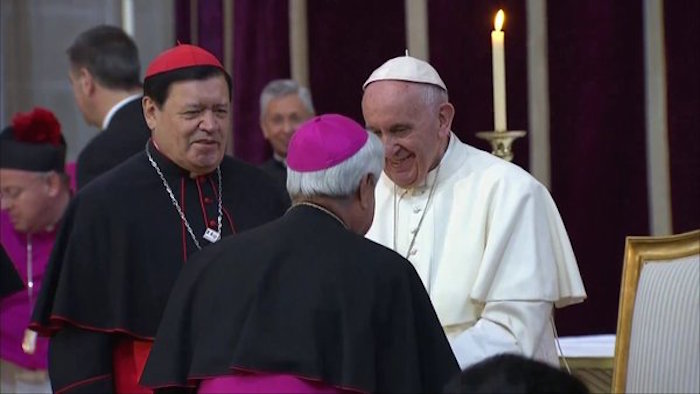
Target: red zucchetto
[(181, 56)]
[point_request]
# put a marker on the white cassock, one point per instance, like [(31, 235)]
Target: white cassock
[(491, 249)]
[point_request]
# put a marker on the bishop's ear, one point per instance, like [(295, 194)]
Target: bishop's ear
[(366, 191)]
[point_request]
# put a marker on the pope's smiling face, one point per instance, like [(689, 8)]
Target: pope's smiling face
[(413, 128), (192, 126)]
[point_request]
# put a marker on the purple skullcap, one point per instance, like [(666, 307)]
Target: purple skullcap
[(323, 142)]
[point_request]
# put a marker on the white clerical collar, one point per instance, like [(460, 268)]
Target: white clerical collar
[(116, 108), (431, 178), (280, 159)]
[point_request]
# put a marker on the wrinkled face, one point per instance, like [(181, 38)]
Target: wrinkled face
[(414, 133), (192, 126), (281, 119), (25, 195)]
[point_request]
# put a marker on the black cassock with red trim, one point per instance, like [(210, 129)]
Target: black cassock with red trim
[(121, 246)]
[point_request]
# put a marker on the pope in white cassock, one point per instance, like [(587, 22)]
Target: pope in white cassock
[(485, 236)]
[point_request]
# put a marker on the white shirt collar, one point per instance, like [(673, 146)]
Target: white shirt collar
[(116, 108), (279, 158)]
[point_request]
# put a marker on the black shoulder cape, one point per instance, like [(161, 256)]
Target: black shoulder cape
[(122, 242), (10, 282), (304, 296)]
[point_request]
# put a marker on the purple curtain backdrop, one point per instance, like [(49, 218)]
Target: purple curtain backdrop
[(683, 82), (596, 79), (347, 41), (596, 82), (261, 53), (460, 49), (182, 21), (210, 27)]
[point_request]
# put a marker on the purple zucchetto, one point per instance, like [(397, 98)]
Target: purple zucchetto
[(323, 142)]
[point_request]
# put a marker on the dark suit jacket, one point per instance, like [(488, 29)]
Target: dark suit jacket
[(276, 169), (125, 135)]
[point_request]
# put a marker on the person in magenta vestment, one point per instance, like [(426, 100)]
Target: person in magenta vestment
[(35, 191)]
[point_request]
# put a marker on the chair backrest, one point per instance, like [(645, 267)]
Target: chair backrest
[(657, 347)]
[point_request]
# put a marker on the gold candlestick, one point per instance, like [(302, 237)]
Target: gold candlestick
[(501, 142)]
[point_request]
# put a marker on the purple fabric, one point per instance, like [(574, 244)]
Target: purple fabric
[(324, 141), (683, 83), (210, 27), (347, 41), (264, 383), (261, 53), (596, 84), (15, 310), (182, 22), (70, 171), (460, 50)]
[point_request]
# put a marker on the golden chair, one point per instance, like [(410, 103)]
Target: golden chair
[(657, 347)]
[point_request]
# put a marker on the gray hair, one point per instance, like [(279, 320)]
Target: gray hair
[(433, 95), (342, 180), (284, 87)]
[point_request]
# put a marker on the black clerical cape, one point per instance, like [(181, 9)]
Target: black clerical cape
[(10, 282), (303, 296), (120, 248), (125, 135)]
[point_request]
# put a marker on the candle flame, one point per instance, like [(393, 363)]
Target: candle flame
[(500, 18)]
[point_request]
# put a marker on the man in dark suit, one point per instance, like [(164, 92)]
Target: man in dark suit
[(105, 76), (284, 105)]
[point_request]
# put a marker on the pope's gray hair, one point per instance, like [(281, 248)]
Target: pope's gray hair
[(433, 95), (341, 180), (284, 87)]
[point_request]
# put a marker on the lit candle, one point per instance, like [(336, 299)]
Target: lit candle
[(499, 73)]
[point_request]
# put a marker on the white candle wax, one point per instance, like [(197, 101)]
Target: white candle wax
[(499, 74)]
